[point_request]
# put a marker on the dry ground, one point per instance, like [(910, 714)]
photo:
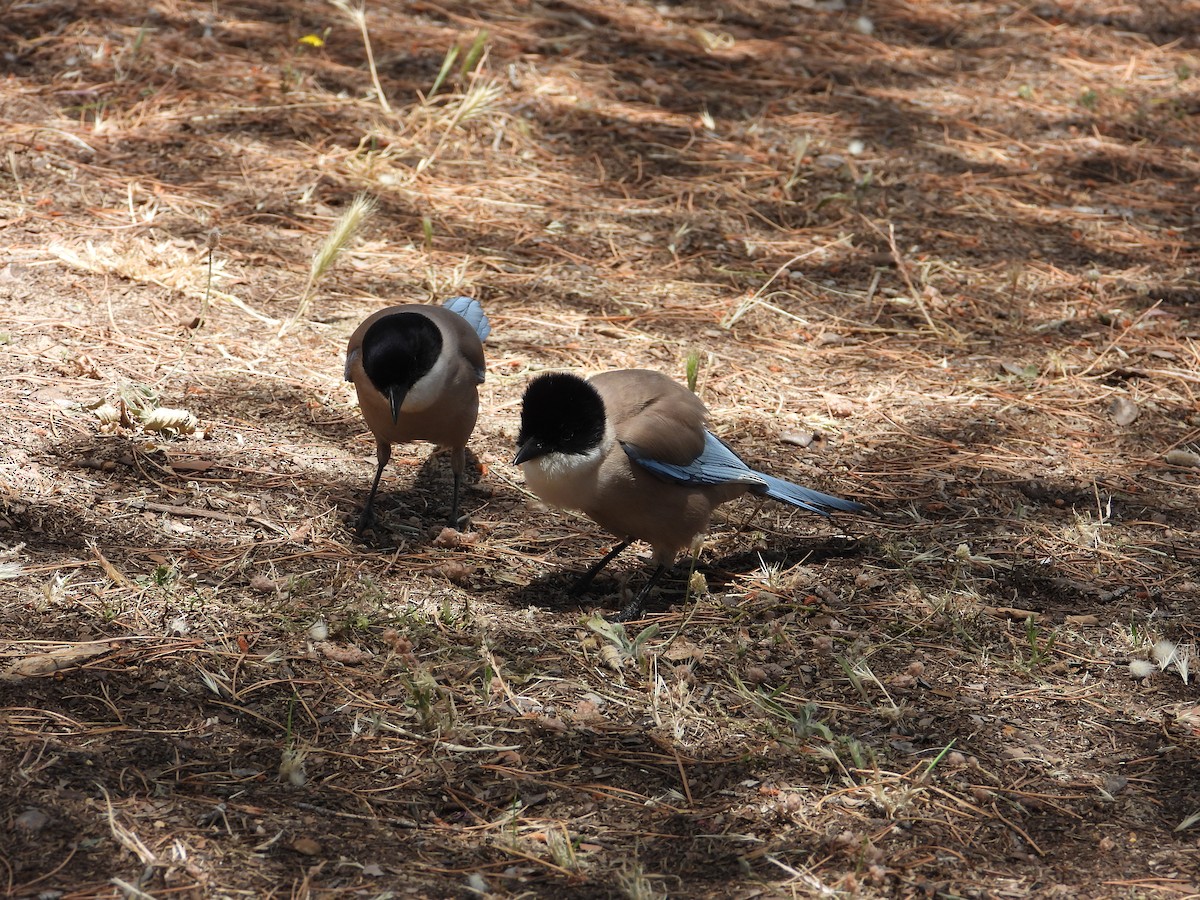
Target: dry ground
[(937, 256)]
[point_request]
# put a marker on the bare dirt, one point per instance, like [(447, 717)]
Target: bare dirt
[(937, 256)]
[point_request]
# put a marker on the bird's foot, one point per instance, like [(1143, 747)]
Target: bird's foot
[(636, 607), (580, 585), (631, 613), (365, 519), (371, 531)]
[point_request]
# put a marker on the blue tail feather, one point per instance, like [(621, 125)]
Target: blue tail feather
[(470, 310), (717, 464), (805, 498)]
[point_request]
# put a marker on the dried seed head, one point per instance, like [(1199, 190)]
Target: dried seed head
[(1164, 652), (291, 766), (163, 419), (1140, 668)]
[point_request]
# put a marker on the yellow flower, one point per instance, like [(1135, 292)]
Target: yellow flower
[(312, 40)]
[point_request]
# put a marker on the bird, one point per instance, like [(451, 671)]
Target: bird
[(417, 369), (629, 449)]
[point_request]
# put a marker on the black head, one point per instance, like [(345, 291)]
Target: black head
[(398, 351), (561, 413)]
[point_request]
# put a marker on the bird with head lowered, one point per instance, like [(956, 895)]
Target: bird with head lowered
[(630, 450), (417, 370)]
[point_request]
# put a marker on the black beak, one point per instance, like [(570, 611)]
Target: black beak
[(531, 449), (396, 395)]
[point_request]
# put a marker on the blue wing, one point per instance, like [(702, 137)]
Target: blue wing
[(717, 464), (470, 310)]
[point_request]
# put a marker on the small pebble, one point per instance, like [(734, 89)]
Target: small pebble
[(307, 846), (31, 821), (797, 438)]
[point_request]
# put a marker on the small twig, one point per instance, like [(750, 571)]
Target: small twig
[(326, 811), (746, 305), (23, 890), (1132, 325), (683, 779), (902, 268), (187, 511), (12, 165), (131, 891), (110, 570), (214, 238), (124, 836), (1019, 830)]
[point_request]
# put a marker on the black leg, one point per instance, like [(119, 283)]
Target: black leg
[(638, 606), (384, 453), (583, 581), (454, 523), (458, 465)]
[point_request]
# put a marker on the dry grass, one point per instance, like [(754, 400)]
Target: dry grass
[(940, 259)]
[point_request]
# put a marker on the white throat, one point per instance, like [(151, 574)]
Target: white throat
[(566, 480), (429, 387)]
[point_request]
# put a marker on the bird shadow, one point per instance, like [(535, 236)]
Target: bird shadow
[(414, 504), (555, 590)]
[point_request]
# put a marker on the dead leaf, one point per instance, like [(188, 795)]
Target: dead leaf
[(552, 723), (347, 656), (164, 419), (681, 650), (839, 406), (455, 571), (263, 584), (756, 674), (451, 537), (827, 338), (1011, 612), (587, 711), (399, 643), (192, 465)]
